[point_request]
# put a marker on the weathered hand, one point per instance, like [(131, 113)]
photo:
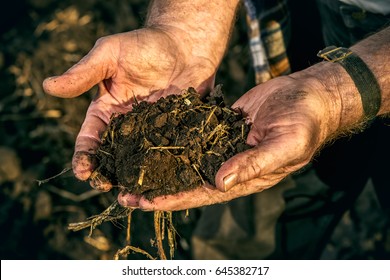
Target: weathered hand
[(145, 64), (290, 119)]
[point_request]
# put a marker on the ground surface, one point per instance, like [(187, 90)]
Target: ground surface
[(40, 38)]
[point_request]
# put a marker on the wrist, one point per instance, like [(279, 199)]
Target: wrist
[(186, 47), (364, 80), (202, 28), (357, 88), (334, 91)]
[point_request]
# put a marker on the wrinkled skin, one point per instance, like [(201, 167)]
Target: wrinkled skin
[(290, 121), (291, 116), (146, 64), (288, 117)]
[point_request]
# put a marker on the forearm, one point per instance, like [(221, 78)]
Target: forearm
[(337, 86), (375, 52), (202, 27)]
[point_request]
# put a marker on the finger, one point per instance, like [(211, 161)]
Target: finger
[(203, 195), (89, 138), (206, 195), (89, 71), (128, 200), (100, 182), (283, 154), (83, 164), (87, 142)]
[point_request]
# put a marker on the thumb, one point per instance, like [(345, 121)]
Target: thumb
[(89, 71), (269, 158), (89, 138)]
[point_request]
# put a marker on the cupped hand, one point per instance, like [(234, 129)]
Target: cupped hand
[(290, 120), (145, 64)]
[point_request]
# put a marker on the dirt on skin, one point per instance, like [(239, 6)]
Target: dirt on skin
[(173, 145)]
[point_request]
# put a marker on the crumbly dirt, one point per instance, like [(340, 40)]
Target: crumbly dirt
[(173, 145)]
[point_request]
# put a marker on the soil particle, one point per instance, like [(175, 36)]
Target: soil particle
[(173, 145)]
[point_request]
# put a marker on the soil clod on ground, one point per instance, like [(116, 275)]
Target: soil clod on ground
[(173, 145)]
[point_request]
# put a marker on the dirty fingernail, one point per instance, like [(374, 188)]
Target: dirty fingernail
[(126, 200), (229, 181), (83, 165), (99, 182)]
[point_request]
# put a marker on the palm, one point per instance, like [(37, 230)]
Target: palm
[(145, 64), (286, 130)]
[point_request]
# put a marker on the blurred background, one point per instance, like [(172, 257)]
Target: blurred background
[(41, 38)]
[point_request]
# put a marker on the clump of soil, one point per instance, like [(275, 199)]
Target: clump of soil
[(173, 145)]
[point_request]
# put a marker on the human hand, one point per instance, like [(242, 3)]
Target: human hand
[(291, 117), (145, 64), (290, 120)]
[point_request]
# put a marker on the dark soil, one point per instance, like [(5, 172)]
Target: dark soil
[(173, 145)]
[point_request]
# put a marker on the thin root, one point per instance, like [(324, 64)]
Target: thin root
[(158, 215), (197, 171), (40, 182), (128, 249)]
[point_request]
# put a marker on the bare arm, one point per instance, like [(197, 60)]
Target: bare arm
[(375, 51), (181, 45), (202, 26), (292, 117), (344, 97)]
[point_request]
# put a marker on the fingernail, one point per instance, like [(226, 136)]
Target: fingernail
[(229, 181), (100, 183), (129, 201), (83, 165)]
